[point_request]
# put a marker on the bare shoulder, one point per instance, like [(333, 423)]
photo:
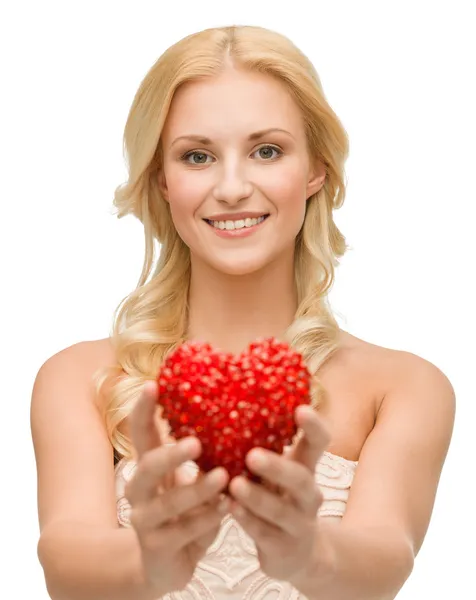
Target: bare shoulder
[(365, 381), (103, 349), (392, 369), (83, 356), (417, 394)]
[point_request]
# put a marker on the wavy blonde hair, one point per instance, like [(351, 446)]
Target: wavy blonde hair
[(152, 320)]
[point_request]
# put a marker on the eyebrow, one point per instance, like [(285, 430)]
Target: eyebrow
[(253, 136)]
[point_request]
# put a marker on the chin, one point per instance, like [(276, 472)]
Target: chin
[(242, 262), (240, 268)]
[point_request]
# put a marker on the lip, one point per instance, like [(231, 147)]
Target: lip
[(237, 233), (236, 216)]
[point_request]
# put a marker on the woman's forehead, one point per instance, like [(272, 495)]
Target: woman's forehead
[(241, 103)]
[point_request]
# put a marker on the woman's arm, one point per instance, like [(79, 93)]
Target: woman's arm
[(84, 562), (370, 554), (83, 552)]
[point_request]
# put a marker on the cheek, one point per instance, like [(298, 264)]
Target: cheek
[(186, 187), (185, 195), (182, 215), (287, 189), (183, 187)]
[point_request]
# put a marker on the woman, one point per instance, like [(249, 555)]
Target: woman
[(236, 162)]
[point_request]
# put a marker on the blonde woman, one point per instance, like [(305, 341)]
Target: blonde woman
[(236, 164)]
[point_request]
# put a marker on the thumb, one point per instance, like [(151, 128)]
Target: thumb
[(142, 427)]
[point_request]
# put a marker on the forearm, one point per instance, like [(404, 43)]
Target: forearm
[(81, 563), (354, 565)]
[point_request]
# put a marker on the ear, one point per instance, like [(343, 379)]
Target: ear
[(163, 185), (317, 177)]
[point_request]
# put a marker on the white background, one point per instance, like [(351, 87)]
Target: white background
[(400, 75)]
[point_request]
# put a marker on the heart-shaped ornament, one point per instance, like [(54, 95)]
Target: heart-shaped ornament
[(233, 403)]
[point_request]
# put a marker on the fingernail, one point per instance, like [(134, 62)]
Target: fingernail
[(217, 477), (306, 410), (189, 445), (243, 488), (258, 459)]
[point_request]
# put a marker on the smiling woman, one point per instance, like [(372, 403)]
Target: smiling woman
[(236, 164)]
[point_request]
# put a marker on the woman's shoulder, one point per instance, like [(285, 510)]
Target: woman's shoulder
[(384, 366), (101, 351), (87, 353), (83, 360), (391, 360)]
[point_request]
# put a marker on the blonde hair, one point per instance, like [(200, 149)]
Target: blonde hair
[(152, 320)]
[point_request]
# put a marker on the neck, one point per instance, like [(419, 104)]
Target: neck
[(230, 311)]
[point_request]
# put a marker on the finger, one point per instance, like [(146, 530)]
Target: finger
[(155, 464), (265, 535), (186, 474), (142, 427), (295, 479), (314, 440), (269, 507), (175, 536), (186, 500), (179, 501), (220, 501)]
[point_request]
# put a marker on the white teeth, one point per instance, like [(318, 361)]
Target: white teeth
[(230, 225)]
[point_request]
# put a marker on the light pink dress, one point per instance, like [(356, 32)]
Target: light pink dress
[(230, 569)]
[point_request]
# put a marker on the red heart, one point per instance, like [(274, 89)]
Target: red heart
[(233, 404)]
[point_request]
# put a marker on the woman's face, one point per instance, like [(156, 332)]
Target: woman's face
[(236, 171)]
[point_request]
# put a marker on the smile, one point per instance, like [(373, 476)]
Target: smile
[(239, 224), (238, 228)]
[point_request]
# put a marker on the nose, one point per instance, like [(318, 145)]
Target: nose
[(232, 185)]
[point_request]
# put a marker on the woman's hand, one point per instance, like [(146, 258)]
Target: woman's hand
[(280, 514), (175, 520)]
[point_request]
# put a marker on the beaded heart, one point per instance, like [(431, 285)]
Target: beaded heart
[(233, 403)]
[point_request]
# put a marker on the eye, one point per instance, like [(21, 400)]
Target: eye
[(197, 153), (202, 156), (269, 148)]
